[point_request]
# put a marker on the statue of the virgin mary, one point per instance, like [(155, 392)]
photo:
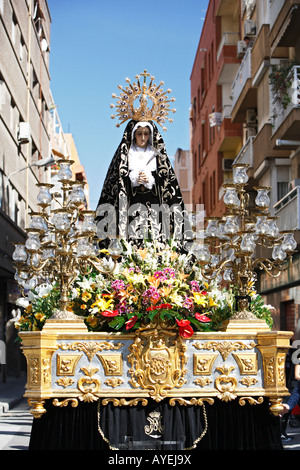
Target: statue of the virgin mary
[(141, 197)]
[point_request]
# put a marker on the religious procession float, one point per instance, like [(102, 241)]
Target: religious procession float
[(154, 329)]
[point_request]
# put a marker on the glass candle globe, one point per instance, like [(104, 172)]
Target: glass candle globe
[(278, 254), (231, 197), (247, 243), (288, 242), (212, 229), (88, 224), (262, 199), (44, 196), (115, 248), (231, 227), (65, 172), (61, 221), (202, 254), (33, 241), (240, 174), (77, 195), (38, 222), (84, 248), (19, 253)]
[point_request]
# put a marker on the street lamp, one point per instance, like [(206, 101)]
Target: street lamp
[(43, 162)]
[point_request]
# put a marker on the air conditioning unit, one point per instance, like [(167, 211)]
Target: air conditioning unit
[(227, 164), (250, 116), (250, 27), (241, 48), (24, 134)]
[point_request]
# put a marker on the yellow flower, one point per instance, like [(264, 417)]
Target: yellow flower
[(86, 296), (83, 307), (102, 304), (200, 299), (142, 253), (212, 303), (40, 316)]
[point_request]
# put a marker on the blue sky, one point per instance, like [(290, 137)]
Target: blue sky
[(95, 45)]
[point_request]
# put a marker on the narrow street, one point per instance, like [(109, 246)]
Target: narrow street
[(15, 427)]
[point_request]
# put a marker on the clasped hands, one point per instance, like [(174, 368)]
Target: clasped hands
[(142, 178)]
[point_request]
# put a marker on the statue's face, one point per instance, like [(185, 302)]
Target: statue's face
[(142, 135)]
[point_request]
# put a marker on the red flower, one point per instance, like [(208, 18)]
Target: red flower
[(110, 313), (201, 317), (156, 307), (130, 323), (185, 329)]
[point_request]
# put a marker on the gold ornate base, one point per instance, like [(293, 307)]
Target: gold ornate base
[(244, 321)]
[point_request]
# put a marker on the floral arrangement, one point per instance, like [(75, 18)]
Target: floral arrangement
[(281, 81), (149, 282)]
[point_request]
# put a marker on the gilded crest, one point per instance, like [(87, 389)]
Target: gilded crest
[(157, 360)]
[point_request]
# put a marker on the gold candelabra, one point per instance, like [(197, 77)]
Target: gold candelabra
[(228, 245), (61, 239)]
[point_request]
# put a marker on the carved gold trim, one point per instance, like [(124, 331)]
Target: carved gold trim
[(192, 401), (90, 348), (203, 381), (65, 381), (124, 402), (224, 347), (114, 382), (73, 401), (251, 400), (247, 363), (226, 384), (248, 381), (89, 385), (203, 363), (112, 363), (66, 363)]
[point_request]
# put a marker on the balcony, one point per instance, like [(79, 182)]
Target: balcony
[(285, 107), (246, 153), (284, 20), (288, 210), (243, 95)]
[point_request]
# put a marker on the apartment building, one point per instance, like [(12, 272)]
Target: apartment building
[(259, 82), (24, 135)]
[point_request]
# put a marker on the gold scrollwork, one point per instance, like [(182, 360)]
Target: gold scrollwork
[(192, 401), (225, 347), (124, 402), (251, 400), (112, 363), (202, 381), (73, 401), (90, 348), (89, 384)]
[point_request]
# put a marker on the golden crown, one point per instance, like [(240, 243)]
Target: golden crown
[(159, 110)]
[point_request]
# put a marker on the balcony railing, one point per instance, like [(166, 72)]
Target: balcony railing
[(246, 153), (288, 210), (228, 39), (241, 77), (275, 7), (279, 108)]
